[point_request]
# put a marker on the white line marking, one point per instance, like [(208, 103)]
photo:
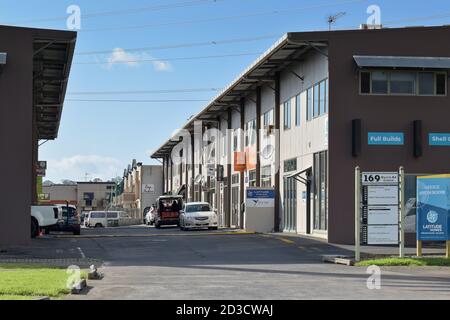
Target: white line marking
[(82, 253)]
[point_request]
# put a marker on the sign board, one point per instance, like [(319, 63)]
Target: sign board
[(380, 178), (260, 198), (42, 165), (148, 188), (382, 235), (386, 138), (380, 208), (380, 215), (41, 172), (44, 197), (439, 139), (433, 208), (240, 163), (382, 195)]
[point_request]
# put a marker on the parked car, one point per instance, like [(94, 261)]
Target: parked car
[(43, 218), (149, 215), (198, 215), (70, 221), (168, 211)]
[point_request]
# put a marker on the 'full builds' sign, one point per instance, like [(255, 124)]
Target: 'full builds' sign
[(433, 208)]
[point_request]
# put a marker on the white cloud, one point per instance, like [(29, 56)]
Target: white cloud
[(76, 167), (120, 56)]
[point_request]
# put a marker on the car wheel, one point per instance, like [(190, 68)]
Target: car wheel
[(213, 228), (77, 232), (34, 228), (98, 225)]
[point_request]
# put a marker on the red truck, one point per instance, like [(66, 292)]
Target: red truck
[(168, 211)]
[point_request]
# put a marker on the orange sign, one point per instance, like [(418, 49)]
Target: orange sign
[(251, 157), (240, 161)]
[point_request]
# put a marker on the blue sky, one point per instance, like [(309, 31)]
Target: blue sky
[(101, 138)]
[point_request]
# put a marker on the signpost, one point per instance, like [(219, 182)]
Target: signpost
[(378, 197), (433, 210)]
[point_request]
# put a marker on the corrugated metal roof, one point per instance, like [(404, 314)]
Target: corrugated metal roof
[(402, 62)]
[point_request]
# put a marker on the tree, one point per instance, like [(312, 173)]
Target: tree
[(68, 182), (47, 183)]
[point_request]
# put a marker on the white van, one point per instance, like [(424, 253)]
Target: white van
[(103, 219)]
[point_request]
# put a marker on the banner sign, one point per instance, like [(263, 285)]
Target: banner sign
[(433, 208), (386, 138), (260, 198), (439, 139)]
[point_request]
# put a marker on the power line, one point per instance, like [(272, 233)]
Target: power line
[(136, 101), (184, 45), (126, 11), (170, 59), (250, 15), (144, 91), (415, 19)]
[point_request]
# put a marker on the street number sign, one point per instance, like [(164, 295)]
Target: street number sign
[(379, 178)]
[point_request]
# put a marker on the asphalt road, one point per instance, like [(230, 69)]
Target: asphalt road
[(145, 263)]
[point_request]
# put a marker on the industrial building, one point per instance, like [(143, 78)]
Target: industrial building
[(34, 71), (140, 187), (306, 113)]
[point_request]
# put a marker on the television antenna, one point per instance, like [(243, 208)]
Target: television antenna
[(333, 18)]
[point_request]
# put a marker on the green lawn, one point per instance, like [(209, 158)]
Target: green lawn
[(414, 262), (22, 282)]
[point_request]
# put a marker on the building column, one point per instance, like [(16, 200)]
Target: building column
[(258, 136), (242, 174), (277, 152), (229, 171)]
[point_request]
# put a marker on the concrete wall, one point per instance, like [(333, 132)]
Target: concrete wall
[(61, 193)]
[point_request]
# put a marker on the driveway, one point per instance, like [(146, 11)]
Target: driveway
[(145, 263)]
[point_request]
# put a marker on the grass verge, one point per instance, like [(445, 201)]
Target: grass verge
[(407, 262), (25, 282)]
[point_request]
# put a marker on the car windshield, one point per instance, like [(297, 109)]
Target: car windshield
[(72, 212), (170, 205), (198, 208)]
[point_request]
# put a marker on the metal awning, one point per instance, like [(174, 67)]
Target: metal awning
[(297, 176), (51, 67), (402, 62), (287, 50)]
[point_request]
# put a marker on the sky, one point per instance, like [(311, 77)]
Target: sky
[(185, 50)]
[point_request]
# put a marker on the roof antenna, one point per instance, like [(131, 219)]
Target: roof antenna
[(333, 18)]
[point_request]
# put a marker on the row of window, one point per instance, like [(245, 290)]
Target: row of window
[(266, 177), (403, 83), (317, 104)]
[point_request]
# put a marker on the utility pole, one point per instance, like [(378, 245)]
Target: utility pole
[(333, 18)]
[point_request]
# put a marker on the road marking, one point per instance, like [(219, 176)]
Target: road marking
[(81, 253), (97, 236), (286, 240)]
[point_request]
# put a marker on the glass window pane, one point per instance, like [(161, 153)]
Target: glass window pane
[(322, 97), (287, 115), (403, 83), (298, 111), (426, 83), (309, 104), (327, 95), (316, 101), (441, 84), (365, 82), (379, 83)]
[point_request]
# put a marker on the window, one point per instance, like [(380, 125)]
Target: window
[(268, 118), (403, 83), (365, 82), (235, 178), (287, 115), (266, 177), (379, 82), (327, 95), (235, 141), (425, 83), (250, 133), (290, 165), (316, 111), (321, 191), (309, 104), (298, 110), (252, 178), (322, 97)]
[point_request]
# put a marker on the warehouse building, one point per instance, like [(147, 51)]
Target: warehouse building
[(306, 113), (34, 70)]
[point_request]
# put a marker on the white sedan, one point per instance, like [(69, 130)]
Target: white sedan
[(198, 215)]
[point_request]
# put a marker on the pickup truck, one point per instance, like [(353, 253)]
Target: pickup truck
[(43, 218)]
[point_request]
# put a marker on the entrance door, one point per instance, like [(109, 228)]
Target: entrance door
[(234, 207), (290, 205)]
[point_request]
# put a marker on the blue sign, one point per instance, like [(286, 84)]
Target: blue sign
[(433, 208), (260, 194), (386, 138), (439, 139)]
